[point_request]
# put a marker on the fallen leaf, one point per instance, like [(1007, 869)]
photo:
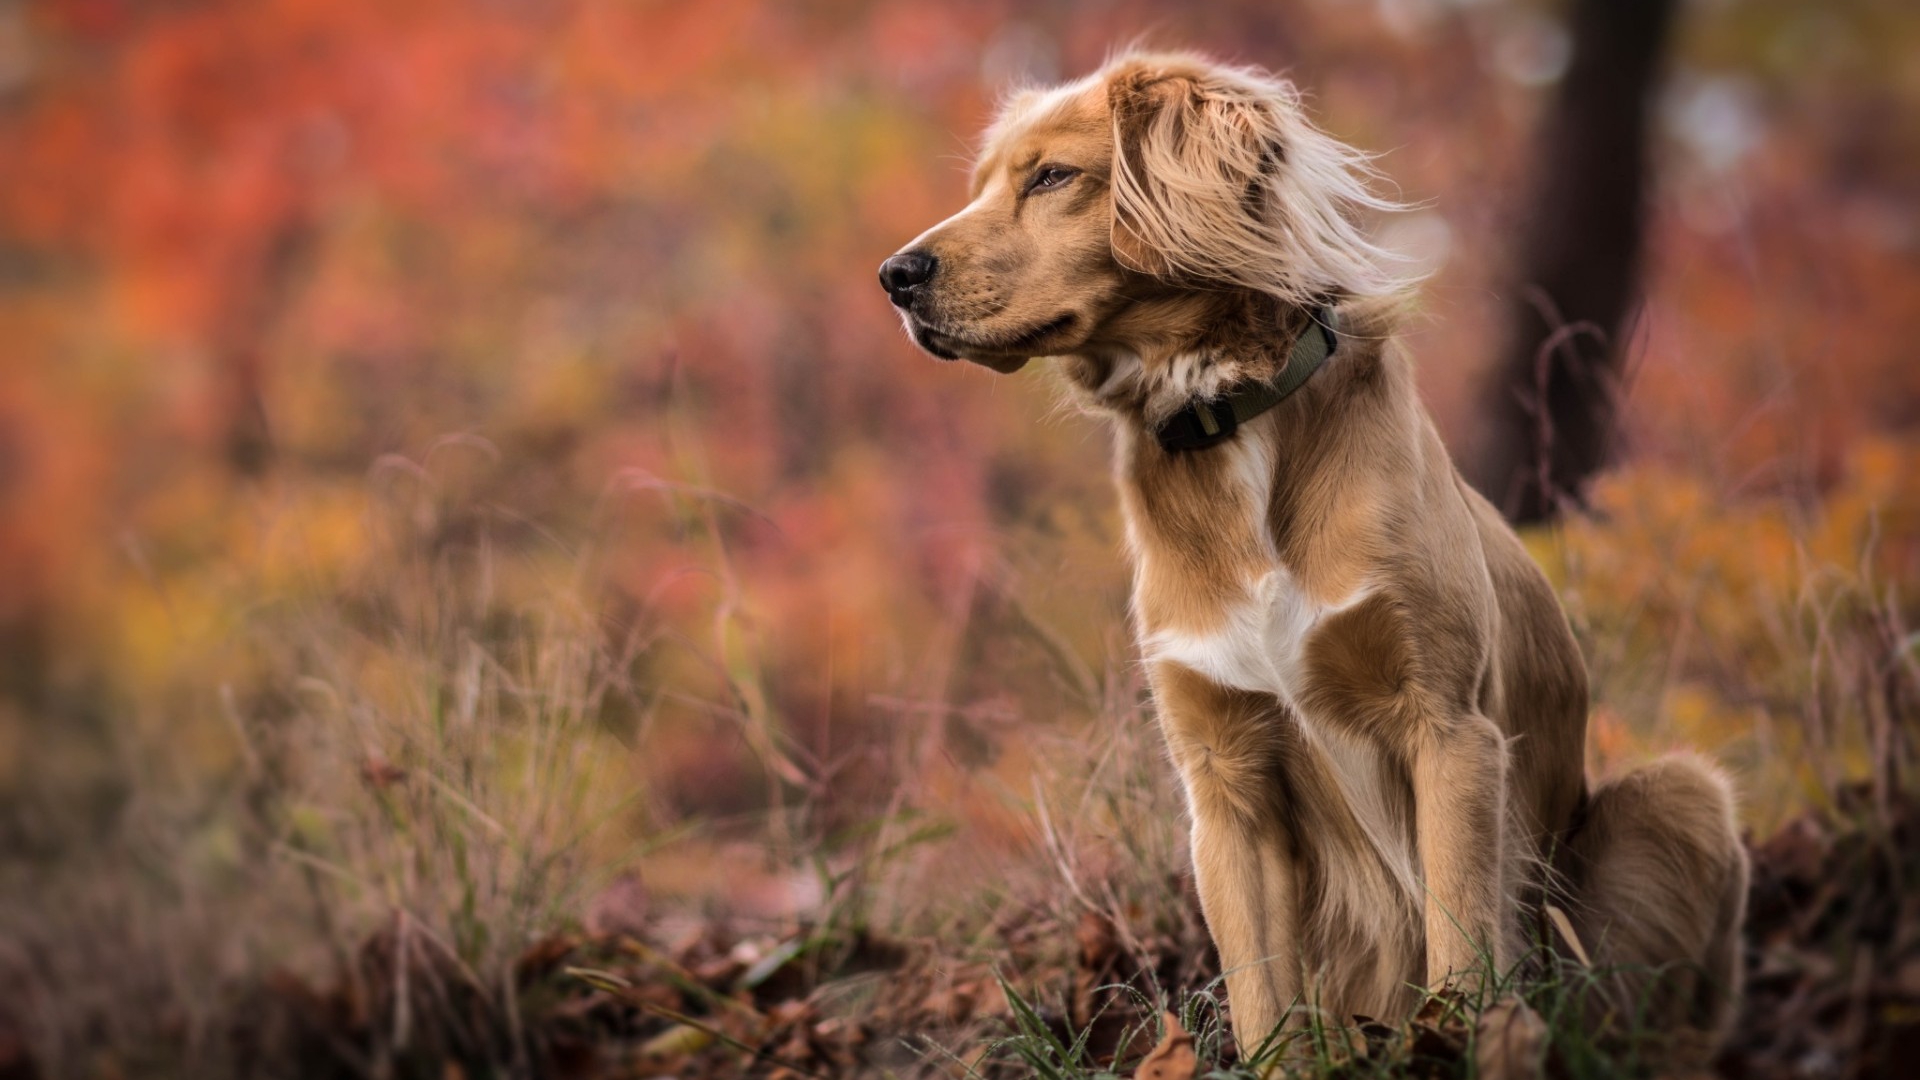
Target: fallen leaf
[(542, 957), (1099, 940), (1798, 851), (678, 1041), (1378, 1038), (1907, 978), (1173, 1059), (1510, 1042), (620, 908), (789, 1013), (1438, 1031)]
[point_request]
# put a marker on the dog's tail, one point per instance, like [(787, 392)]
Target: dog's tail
[(1654, 883)]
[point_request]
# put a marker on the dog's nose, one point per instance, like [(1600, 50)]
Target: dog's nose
[(905, 272)]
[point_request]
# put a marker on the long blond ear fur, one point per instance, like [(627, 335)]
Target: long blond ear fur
[(1219, 177)]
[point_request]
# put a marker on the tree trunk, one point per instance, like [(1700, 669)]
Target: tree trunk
[(255, 314), (1551, 399)]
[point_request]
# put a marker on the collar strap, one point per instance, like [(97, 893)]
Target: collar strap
[(1209, 423)]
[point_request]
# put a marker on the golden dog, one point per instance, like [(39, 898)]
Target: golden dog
[(1372, 697)]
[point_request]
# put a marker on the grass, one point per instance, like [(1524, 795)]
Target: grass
[(438, 819), (1560, 1014)]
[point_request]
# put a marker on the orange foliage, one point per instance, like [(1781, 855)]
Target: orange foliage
[(600, 273)]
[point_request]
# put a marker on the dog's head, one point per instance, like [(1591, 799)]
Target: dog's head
[(1159, 177)]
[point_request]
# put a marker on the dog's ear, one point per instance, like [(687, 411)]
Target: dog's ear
[(1151, 115), (1220, 179)]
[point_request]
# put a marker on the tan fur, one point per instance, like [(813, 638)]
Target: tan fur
[(1369, 690)]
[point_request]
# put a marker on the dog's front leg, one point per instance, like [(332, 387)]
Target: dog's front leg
[(1249, 893), (1229, 746), (1459, 791)]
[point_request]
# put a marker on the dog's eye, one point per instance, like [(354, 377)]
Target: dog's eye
[(1052, 176)]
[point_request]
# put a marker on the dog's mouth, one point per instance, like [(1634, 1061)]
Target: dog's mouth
[(1005, 353)]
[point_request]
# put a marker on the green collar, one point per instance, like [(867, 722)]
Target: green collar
[(1208, 423)]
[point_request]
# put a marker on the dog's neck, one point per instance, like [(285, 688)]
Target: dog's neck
[(1301, 484), (1162, 355)]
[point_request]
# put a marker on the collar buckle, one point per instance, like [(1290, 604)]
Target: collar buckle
[(1198, 426)]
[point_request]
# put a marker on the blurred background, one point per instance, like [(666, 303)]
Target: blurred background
[(455, 457)]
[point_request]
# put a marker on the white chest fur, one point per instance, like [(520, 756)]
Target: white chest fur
[(1259, 643)]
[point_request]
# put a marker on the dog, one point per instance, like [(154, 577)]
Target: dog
[(1372, 698)]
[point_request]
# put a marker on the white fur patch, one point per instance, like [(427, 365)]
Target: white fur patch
[(1259, 645), (1123, 373), (1184, 379)]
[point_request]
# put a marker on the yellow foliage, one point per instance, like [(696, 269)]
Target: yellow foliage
[(1741, 625)]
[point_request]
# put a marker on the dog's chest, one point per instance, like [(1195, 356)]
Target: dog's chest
[(1259, 641), (1256, 633), (1252, 634), (1261, 646)]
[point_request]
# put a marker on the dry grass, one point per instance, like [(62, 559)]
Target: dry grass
[(437, 830)]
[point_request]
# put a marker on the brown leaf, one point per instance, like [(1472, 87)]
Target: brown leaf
[(796, 1048), (839, 1029), (992, 1001), (719, 971), (790, 1012), (954, 1004), (16, 1059), (542, 957), (1173, 1059), (1907, 978), (1438, 1031), (1510, 1042), (1442, 1009), (1378, 1039), (1099, 941), (1798, 852), (621, 907)]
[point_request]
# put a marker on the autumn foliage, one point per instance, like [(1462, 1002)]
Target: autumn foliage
[(459, 478)]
